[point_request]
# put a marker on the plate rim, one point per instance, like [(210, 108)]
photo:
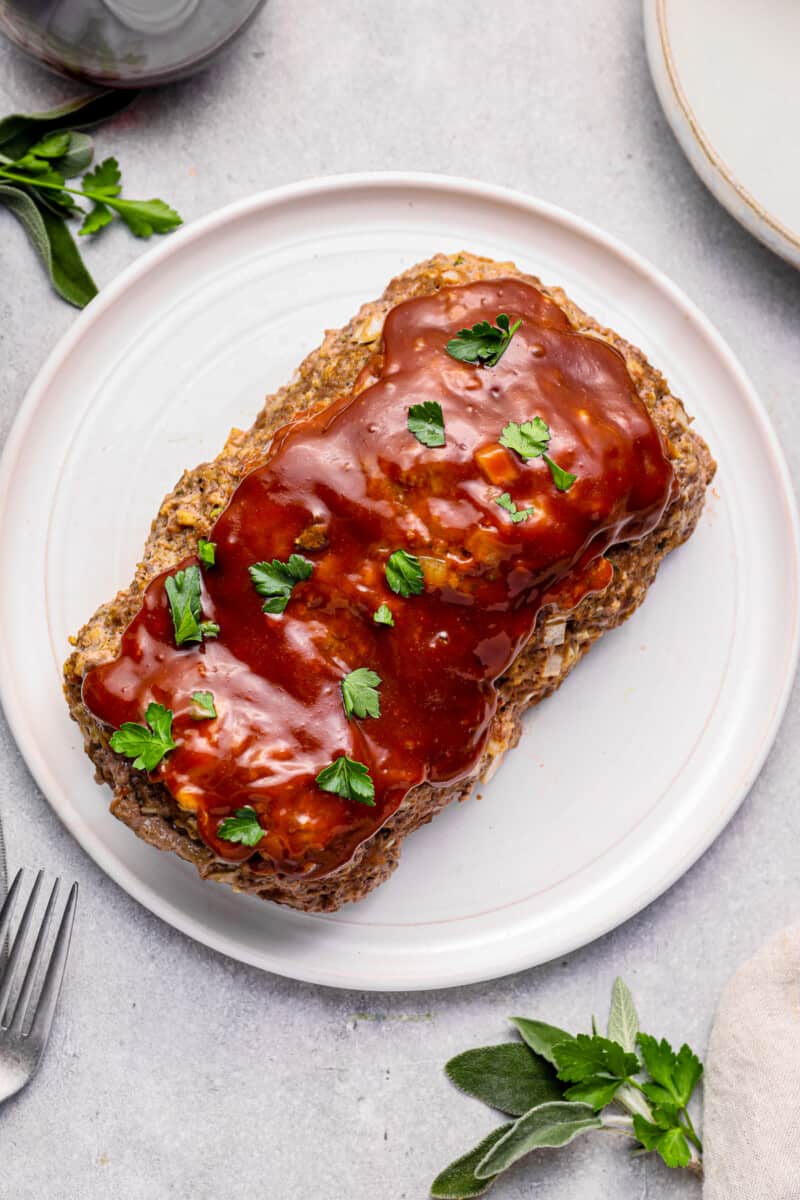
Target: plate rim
[(708, 164), (313, 187)]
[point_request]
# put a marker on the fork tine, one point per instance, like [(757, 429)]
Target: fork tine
[(48, 998), (7, 978), (7, 911), (16, 1022)]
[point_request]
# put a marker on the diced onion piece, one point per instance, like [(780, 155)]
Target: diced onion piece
[(552, 666), (554, 631), (370, 329)]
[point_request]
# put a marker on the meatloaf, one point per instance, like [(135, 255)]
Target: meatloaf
[(409, 532)]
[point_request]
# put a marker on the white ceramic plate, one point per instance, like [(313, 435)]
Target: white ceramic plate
[(621, 780), (726, 74)]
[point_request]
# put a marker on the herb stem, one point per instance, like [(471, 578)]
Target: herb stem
[(32, 181), (690, 1130)]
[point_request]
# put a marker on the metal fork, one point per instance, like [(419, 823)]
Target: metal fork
[(21, 1048)]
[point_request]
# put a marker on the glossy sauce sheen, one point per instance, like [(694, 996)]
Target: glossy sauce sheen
[(365, 486)]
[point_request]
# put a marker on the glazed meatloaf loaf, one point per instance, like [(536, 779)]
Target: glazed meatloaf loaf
[(337, 625)]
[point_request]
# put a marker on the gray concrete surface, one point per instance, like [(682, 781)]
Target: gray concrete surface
[(174, 1072)]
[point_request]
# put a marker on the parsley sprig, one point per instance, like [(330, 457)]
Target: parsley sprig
[(183, 593), (349, 779), (516, 514), (360, 693), (530, 440), (483, 343), (243, 827), (404, 574), (276, 580), (426, 422), (146, 744), (39, 152), (556, 1086)]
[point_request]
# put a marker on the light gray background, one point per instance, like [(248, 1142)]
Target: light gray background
[(173, 1072)]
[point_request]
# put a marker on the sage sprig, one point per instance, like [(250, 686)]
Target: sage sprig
[(39, 152), (558, 1085)]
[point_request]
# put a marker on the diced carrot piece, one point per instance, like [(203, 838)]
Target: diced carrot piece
[(496, 464)]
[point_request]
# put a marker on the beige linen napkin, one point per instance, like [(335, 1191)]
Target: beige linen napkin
[(751, 1121)]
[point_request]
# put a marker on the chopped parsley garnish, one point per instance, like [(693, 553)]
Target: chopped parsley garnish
[(404, 574), (207, 552), (360, 693), (146, 746), (243, 827), (516, 514), (426, 422), (483, 343), (383, 615), (348, 779), (276, 580), (530, 440), (203, 703), (183, 593)]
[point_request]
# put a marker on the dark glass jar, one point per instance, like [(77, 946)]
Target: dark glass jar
[(125, 43)]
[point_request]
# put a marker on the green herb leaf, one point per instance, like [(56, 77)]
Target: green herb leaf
[(553, 1124), (243, 827), (183, 593), (20, 131), (426, 422), (207, 552), (78, 156), (561, 478), (276, 580), (105, 181), (516, 514), (587, 1055), (52, 145), (146, 746), (596, 1066), (404, 574), (678, 1074), (623, 1021), (671, 1143), (145, 217), (53, 243), (360, 693), (541, 1037), (483, 343), (204, 709), (97, 219), (348, 779), (383, 615), (508, 1077), (458, 1182), (528, 440)]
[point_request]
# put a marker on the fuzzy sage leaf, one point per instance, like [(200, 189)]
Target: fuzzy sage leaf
[(458, 1181), (547, 1126), (507, 1077), (52, 241), (623, 1021)]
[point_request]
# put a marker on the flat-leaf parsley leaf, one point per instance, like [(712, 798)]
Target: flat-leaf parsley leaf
[(383, 615), (203, 706), (146, 746), (404, 574), (183, 593), (243, 827), (426, 422), (516, 514), (276, 580), (530, 440), (360, 693), (349, 779), (483, 343), (207, 552)]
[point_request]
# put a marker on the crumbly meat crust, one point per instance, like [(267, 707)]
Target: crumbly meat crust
[(557, 644)]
